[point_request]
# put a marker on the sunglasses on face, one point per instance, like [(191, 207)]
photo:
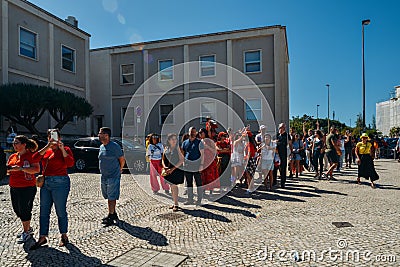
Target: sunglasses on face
[(16, 143)]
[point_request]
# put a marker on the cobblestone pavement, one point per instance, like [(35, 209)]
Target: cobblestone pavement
[(265, 229)]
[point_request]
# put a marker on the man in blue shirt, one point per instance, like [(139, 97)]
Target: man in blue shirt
[(193, 150), (111, 163)]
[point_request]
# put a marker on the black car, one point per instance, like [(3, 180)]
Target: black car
[(86, 151)]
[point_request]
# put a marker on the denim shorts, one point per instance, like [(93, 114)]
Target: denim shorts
[(110, 188)]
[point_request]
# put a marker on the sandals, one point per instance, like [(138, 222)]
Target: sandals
[(39, 244), (174, 208), (358, 180)]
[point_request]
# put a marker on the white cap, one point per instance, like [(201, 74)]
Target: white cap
[(262, 127)]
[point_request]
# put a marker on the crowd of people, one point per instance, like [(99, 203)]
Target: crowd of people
[(214, 161)]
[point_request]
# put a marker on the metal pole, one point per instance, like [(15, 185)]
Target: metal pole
[(363, 23), (317, 112), (363, 80), (329, 126)]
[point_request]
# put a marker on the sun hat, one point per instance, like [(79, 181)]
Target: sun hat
[(364, 135)]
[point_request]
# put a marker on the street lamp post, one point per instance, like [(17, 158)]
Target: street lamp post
[(329, 126), (317, 112), (364, 22)]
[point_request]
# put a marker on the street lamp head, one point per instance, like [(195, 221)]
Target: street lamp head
[(318, 105), (327, 85), (366, 22)]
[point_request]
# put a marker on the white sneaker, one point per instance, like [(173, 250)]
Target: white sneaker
[(24, 237)]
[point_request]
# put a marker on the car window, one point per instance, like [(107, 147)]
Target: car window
[(82, 143), (95, 143)]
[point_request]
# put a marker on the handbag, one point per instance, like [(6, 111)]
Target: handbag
[(40, 178)]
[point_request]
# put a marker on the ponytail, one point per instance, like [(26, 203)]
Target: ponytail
[(31, 145)]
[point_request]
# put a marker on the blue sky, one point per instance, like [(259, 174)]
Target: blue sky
[(324, 40)]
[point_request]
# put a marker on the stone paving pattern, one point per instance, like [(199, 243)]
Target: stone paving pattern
[(233, 232)]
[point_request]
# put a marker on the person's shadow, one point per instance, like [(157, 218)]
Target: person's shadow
[(48, 256), (148, 234)]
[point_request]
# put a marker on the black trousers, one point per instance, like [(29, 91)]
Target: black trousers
[(283, 168), (348, 157), (189, 183), (22, 201), (318, 162)]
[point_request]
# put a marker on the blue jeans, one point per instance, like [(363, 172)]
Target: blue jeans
[(55, 190)]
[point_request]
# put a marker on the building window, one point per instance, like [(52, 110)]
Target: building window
[(127, 73), (166, 110), (67, 58), (207, 109), (207, 65), (166, 71), (253, 109), (27, 43), (252, 61)]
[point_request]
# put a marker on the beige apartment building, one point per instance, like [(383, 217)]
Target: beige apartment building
[(40, 48), (118, 72)]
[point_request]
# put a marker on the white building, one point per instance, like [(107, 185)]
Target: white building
[(388, 113)]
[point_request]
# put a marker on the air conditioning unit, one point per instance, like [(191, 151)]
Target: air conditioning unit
[(72, 20)]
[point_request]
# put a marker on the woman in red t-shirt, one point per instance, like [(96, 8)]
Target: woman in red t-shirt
[(56, 159), (22, 169)]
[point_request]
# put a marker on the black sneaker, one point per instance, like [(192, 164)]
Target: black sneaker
[(110, 221), (110, 218)]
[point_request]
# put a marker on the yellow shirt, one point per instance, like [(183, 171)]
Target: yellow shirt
[(364, 148)]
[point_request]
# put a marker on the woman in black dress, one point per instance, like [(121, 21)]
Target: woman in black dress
[(172, 160)]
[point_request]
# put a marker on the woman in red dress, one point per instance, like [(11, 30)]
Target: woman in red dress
[(209, 175)]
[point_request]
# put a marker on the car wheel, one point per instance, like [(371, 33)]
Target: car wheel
[(139, 166), (80, 164)]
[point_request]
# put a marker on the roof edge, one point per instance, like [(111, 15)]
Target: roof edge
[(55, 17), (190, 37)]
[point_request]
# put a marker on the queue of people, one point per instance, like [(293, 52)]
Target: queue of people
[(215, 162)]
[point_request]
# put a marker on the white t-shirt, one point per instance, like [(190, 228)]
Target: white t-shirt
[(155, 151), (267, 153)]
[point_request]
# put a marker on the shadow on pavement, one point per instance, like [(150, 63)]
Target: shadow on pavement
[(240, 193), (152, 237), (48, 256), (206, 215), (230, 210), (228, 200)]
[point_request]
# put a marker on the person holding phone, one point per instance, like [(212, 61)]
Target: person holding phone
[(22, 169), (56, 159)]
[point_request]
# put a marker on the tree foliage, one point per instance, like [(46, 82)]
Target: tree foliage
[(311, 123), (394, 131), (25, 105)]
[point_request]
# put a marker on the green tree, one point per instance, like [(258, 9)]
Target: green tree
[(64, 106), (25, 105), (373, 122), (394, 131), (311, 123)]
